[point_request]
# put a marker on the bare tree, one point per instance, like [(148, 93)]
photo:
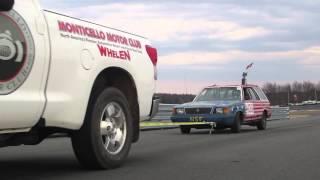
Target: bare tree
[(295, 92)]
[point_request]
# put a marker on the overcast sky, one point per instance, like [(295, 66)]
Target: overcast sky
[(206, 42)]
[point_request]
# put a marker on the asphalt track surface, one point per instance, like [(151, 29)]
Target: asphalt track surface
[(289, 149)]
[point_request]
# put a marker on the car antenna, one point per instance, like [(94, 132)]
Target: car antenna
[(245, 74)]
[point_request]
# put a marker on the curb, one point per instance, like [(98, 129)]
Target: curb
[(278, 119)]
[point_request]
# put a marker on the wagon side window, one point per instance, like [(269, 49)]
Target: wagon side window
[(246, 94), (260, 93), (250, 94)]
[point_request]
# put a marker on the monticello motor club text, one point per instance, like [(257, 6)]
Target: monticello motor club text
[(101, 35)]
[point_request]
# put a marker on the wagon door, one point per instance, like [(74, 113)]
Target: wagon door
[(263, 100), (253, 106)]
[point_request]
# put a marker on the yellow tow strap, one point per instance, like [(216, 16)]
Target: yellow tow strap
[(159, 124)]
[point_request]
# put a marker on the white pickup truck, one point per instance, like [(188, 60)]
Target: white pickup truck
[(60, 74)]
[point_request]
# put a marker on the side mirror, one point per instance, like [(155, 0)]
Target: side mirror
[(6, 5)]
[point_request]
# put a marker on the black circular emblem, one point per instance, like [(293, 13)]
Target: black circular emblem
[(17, 51)]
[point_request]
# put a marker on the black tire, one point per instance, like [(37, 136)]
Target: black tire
[(88, 143), (236, 127), (185, 129), (262, 124)]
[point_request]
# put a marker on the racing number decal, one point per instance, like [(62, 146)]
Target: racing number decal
[(17, 52), (249, 109)]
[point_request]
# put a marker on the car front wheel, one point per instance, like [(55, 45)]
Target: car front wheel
[(185, 129), (236, 127)]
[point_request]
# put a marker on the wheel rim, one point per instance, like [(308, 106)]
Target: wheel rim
[(113, 128)]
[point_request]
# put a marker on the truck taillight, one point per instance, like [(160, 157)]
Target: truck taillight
[(153, 55)]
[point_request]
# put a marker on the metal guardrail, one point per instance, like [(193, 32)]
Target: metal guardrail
[(165, 110), (279, 113)]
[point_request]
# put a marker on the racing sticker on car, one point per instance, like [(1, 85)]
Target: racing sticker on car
[(17, 52), (249, 109)]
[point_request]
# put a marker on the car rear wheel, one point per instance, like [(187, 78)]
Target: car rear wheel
[(262, 124), (105, 138), (236, 127), (185, 129)]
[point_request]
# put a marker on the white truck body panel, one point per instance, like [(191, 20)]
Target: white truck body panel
[(65, 67), (24, 107)]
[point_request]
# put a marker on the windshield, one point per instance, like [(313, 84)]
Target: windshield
[(219, 94)]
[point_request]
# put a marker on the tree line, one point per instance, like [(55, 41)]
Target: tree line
[(296, 92)]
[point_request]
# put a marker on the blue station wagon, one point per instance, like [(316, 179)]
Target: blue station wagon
[(227, 107)]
